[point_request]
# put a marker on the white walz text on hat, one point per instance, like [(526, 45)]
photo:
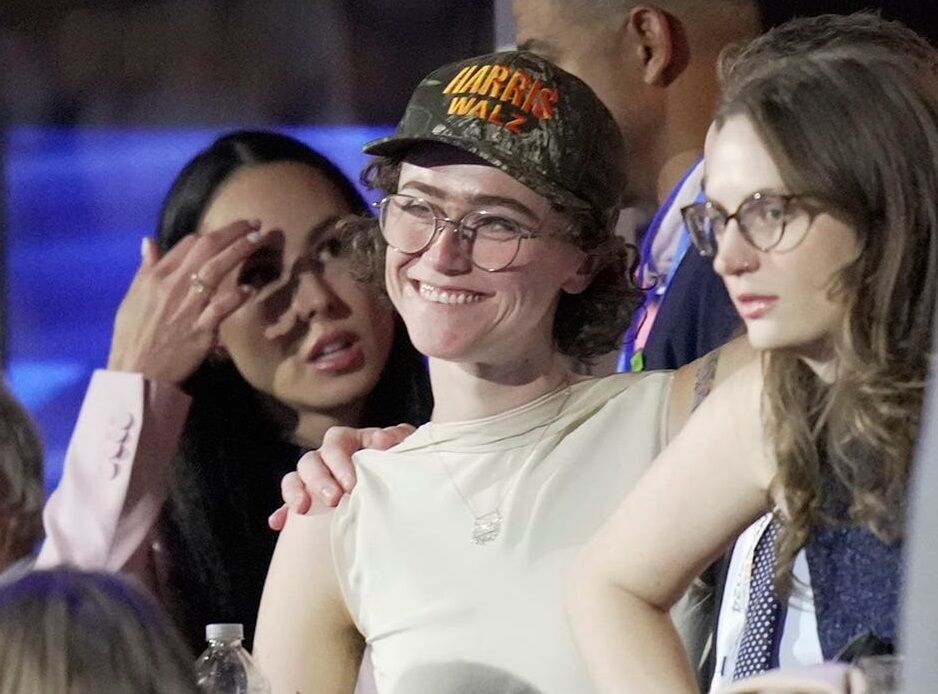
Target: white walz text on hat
[(499, 95)]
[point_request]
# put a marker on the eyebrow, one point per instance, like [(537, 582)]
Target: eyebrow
[(482, 200), (325, 225), (765, 190)]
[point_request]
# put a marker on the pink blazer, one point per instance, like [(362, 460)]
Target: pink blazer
[(116, 478)]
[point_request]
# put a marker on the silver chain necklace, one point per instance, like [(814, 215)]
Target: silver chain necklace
[(486, 527)]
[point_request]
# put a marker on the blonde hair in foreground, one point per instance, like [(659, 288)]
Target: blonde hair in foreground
[(69, 632)]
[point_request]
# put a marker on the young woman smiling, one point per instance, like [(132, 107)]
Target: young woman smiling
[(448, 558)]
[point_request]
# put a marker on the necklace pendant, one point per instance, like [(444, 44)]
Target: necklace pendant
[(487, 527)]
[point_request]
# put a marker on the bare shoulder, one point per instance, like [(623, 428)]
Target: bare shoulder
[(729, 421), (312, 532), (306, 639), (302, 569), (695, 381)]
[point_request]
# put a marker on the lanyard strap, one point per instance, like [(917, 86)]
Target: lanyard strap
[(654, 227), (631, 359)]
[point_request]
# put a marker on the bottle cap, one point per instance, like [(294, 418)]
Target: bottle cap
[(224, 632)]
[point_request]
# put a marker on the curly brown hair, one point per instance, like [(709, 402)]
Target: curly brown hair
[(587, 325), (856, 126)]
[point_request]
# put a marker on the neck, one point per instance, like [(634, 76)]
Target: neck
[(463, 390), (311, 426), (667, 158), (687, 111), (821, 360), (306, 427), (825, 369), (672, 170)]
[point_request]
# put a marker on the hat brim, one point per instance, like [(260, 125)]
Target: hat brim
[(397, 145)]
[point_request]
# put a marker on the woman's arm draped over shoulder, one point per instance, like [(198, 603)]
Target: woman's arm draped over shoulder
[(705, 488), (306, 640), (116, 475)]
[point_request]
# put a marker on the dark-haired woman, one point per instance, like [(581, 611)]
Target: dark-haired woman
[(241, 340)]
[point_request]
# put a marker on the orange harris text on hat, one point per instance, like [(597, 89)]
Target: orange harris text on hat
[(495, 86)]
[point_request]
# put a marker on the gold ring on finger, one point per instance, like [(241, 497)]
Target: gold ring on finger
[(198, 284)]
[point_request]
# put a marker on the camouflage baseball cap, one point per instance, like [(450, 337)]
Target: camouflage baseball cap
[(537, 123)]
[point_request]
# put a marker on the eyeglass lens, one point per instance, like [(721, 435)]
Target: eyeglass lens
[(762, 221), (410, 224)]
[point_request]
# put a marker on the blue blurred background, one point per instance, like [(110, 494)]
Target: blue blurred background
[(101, 104), (78, 203)]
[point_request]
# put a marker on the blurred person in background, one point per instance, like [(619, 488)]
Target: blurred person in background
[(65, 631), (653, 64), (21, 493), (242, 338)]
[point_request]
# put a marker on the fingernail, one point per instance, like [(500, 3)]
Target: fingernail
[(144, 246), (246, 289), (347, 481), (327, 492), (254, 236)]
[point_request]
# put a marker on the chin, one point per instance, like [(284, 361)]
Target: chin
[(762, 338), (797, 342), (326, 392), (440, 352), (449, 346), (324, 402)]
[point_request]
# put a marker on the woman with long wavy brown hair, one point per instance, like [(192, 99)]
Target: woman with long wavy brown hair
[(821, 216)]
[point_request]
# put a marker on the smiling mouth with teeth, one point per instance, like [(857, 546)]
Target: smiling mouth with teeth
[(448, 296)]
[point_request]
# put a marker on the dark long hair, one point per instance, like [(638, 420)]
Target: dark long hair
[(232, 455)]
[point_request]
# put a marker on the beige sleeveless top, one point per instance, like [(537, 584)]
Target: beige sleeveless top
[(443, 614)]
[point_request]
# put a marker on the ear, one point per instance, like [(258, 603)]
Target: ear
[(583, 277), (651, 34)]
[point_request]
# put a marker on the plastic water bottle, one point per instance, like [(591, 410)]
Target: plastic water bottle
[(225, 667)]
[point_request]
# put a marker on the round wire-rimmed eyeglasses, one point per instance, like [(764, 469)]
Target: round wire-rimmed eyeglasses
[(490, 240), (762, 218)]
